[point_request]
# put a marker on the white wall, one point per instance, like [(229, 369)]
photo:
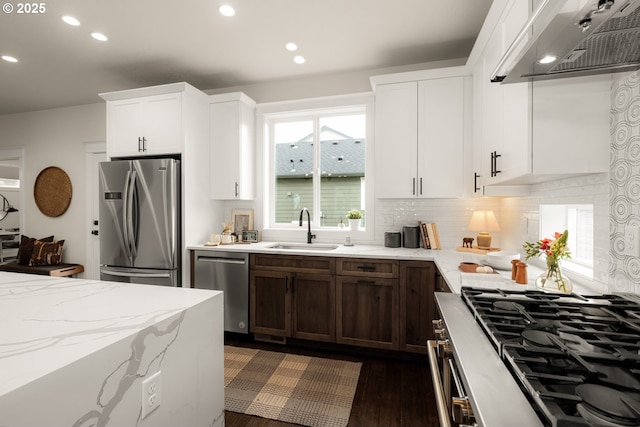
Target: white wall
[(55, 138), (326, 84)]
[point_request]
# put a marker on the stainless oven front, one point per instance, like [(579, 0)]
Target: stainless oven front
[(454, 408)]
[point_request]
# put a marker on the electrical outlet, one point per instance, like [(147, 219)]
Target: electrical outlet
[(632, 241), (151, 393), (387, 219)]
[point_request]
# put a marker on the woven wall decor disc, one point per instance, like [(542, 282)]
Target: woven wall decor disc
[(52, 191)]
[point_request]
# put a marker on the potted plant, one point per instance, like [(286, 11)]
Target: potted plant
[(354, 216)]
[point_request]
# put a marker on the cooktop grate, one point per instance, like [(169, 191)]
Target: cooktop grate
[(577, 358)]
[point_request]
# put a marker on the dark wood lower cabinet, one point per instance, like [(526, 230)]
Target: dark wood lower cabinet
[(417, 304), (314, 307), (387, 305), (367, 312), (292, 304), (270, 303)]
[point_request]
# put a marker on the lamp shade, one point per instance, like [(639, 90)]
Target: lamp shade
[(483, 221)]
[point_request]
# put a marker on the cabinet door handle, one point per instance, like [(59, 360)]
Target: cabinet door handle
[(475, 182), (139, 144), (144, 144), (414, 187), (421, 186), (236, 190), (493, 153), (286, 284), (366, 267), (495, 163)]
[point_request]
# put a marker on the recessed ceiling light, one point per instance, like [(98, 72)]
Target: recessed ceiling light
[(299, 59), (548, 59), (227, 10), (9, 58), (71, 20), (291, 47), (99, 36)]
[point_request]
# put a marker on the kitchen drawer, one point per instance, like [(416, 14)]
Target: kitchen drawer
[(293, 263), (363, 267)]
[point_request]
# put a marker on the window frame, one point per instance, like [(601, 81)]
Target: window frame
[(271, 113), (549, 218)]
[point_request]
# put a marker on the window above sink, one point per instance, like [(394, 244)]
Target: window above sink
[(307, 169)]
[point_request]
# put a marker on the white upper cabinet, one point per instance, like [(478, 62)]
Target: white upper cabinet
[(148, 121), (396, 140), (503, 145), (440, 137), (419, 132), (232, 125), (526, 133)]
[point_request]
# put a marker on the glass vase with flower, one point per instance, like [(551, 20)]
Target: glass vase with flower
[(553, 250)]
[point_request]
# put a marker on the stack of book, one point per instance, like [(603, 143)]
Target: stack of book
[(429, 234)]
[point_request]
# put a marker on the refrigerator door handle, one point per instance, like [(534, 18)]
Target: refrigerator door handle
[(132, 216), (133, 274), (125, 214)]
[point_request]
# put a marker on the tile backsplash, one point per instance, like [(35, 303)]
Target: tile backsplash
[(624, 198), (451, 216)]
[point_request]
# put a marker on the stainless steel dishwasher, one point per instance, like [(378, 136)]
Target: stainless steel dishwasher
[(227, 272)]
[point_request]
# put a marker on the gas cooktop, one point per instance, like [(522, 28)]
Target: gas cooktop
[(577, 358)]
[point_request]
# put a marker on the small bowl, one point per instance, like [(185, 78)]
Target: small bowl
[(501, 259)]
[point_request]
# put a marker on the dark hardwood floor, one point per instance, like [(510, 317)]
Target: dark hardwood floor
[(390, 393)]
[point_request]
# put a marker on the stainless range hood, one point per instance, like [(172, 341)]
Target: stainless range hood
[(586, 38)]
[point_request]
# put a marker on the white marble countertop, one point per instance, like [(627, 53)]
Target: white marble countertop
[(51, 322), (447, 261)]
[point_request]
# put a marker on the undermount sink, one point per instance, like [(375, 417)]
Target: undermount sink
[(304, 246)]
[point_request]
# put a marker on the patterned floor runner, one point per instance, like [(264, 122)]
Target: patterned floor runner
[(311, 391)]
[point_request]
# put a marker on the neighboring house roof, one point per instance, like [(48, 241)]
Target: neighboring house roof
[(340, 155)]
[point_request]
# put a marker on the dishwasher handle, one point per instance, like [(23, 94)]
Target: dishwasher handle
[(221, 260)]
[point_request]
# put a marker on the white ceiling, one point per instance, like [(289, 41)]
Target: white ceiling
[(164, 41)]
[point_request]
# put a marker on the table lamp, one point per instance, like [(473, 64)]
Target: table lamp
[(483, 222)]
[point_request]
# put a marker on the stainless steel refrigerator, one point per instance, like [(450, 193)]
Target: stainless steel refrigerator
[(140, 221)]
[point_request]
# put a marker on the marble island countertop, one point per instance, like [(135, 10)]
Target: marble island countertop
[(92, 342), (447, 261)]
